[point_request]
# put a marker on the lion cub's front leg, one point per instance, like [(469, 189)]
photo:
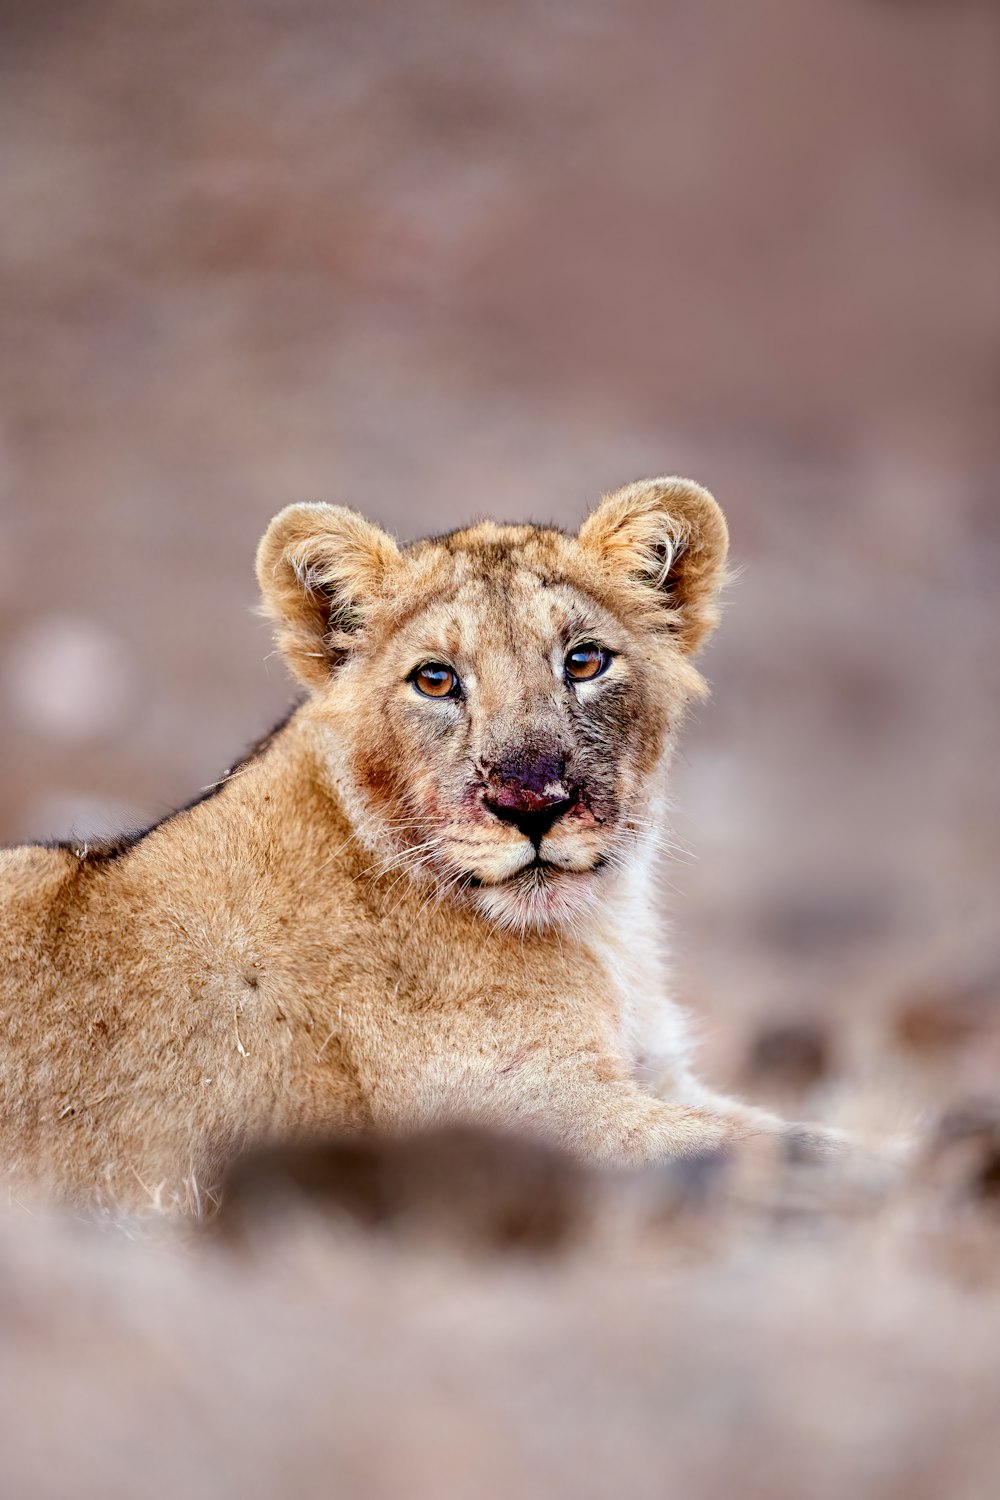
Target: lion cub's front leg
[(586, 1105), (805, 1141)]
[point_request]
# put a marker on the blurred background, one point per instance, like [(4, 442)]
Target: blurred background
[(443, 259)]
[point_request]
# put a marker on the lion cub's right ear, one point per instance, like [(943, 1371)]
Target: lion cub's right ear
[(320, 567), (664, 539)]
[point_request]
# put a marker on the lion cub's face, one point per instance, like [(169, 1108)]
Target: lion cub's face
[(500, 700)]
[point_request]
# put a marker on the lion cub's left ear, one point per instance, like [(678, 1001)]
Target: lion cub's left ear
[(320, 569), (668, 538)]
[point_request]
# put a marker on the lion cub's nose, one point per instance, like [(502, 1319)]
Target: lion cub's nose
[(530, 793)]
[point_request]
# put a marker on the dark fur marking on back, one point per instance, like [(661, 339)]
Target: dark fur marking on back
[(105, 851)]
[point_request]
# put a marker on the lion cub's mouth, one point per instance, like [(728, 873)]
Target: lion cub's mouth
[(538, 869)]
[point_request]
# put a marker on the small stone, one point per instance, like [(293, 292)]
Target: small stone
[(793, 1055)]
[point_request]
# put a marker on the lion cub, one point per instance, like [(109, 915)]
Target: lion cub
[(427, 895)]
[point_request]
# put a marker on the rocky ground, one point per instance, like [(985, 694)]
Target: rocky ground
[(456, 1318)]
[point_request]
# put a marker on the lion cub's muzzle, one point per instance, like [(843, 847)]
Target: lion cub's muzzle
[(531, 793)]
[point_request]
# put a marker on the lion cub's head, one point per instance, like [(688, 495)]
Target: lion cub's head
[(499, 700)]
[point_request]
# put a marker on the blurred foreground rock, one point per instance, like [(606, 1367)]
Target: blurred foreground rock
[(696, 1334)]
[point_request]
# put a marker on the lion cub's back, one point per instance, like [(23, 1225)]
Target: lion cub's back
[(32, 870), (31, 878)]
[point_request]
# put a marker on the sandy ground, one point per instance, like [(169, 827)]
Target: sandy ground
[(698, 1339)]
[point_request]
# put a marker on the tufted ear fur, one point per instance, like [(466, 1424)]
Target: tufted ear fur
[(320, 567), (668, 537)]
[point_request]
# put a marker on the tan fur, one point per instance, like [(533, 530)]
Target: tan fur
[(345, 935)]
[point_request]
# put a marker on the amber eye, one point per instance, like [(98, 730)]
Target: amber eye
[(435, 680), (587, 661)]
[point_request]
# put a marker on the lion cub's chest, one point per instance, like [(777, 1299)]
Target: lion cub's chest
[(654, 1031)]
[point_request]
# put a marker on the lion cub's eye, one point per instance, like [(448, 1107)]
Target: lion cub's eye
[(587, 661), (435, 680)]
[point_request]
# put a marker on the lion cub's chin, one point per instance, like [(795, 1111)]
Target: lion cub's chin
[(537, 897)]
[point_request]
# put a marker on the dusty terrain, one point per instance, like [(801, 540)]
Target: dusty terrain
[(439, 1330), (440, 260)]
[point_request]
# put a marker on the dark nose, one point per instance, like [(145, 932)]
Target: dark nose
[(530, 792)]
